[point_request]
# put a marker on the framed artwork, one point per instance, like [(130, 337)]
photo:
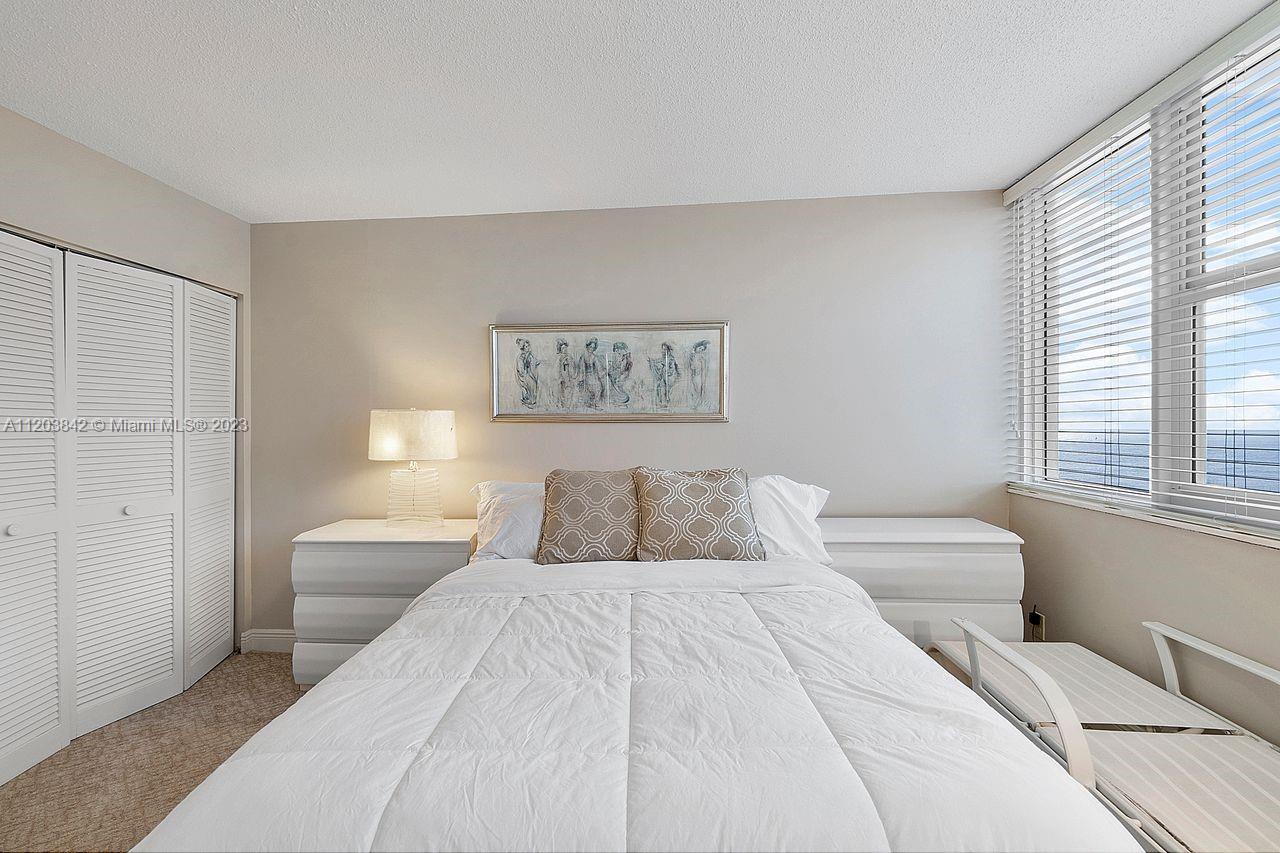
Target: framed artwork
[(610, 372)]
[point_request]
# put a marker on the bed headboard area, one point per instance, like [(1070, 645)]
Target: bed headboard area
[(821, 297)]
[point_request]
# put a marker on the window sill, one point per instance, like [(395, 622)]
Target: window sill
[(1168, 518)]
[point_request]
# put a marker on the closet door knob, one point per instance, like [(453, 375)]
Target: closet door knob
[(15, 530), (130, 509)]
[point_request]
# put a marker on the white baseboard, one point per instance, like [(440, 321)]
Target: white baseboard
[(267, 640)]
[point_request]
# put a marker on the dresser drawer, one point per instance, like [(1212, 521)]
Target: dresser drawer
[(965, 575), (385, 571), (345, 618), (314, 661)]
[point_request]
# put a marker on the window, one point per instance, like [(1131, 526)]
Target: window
[(1085, 318), (1146, 308), (1242, 407)]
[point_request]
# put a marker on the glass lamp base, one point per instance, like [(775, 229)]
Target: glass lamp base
[(413, 498)]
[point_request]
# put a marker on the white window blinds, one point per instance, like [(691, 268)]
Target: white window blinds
[(1146, 308)]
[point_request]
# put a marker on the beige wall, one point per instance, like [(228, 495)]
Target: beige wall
[(60, 189), (1097, 576), (865, 353), (54, 188)]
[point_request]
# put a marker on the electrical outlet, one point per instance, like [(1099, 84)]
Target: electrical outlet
[(1037, 621)]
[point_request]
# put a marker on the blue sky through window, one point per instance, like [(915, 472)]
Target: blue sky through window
[(1102, 398)]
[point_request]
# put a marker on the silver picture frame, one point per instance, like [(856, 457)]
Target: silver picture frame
[(643, 373)]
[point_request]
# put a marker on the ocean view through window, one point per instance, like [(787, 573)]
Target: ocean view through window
[(1240, 459), (1146, 307)]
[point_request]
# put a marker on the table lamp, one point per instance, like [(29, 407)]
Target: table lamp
[(412, 435)]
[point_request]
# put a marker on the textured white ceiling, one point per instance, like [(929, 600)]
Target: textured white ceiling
[(297, 110)]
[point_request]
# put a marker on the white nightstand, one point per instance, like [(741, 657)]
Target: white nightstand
[(923, 572), (353, 578)]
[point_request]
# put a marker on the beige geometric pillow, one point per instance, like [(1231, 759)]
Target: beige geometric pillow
[(588, 516), (696, 515)]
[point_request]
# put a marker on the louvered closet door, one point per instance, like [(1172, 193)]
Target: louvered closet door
[(210, 332), (124, 330), (34, 553)]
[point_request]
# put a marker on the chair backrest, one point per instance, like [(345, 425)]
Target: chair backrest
[(1074, 746)]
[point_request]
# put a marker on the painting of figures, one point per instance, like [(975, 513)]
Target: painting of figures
[(610, 372)]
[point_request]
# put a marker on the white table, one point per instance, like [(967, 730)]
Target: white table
[(355, 577), (923, 572)]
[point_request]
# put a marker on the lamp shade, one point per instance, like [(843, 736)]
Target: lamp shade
[(398, 435)]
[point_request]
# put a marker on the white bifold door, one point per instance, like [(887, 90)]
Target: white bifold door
[(124, 345), (35, 570), (209, 508), (117, 522)]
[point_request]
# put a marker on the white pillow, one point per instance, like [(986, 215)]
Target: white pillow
[(508, 520), (786, 515)]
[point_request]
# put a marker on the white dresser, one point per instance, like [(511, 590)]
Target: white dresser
[(923, 572), (353, 578)]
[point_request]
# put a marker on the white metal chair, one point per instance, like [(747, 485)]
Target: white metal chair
[(1182, 776)]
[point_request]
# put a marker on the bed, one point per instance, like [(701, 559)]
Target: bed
[(684, 705)]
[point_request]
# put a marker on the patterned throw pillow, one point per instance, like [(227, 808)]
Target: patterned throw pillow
[(589, 515), (696, 515)]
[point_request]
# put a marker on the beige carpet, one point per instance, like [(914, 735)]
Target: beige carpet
[(109, 788)]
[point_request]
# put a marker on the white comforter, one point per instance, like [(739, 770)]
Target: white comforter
[(647, 706)]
